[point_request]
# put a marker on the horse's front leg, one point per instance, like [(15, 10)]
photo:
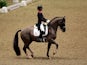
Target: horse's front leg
[(53, 42), (49, 45)]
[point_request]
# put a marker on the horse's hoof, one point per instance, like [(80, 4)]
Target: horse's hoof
[(29, 57), (32, 56), (49, 57), (54, 53)]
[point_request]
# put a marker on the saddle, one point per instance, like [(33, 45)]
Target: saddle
[(43, 31), (43, 28)]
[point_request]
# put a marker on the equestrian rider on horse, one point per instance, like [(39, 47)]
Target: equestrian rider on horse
[(41, 19)]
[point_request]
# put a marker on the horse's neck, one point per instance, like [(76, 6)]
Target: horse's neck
[(54, 24)]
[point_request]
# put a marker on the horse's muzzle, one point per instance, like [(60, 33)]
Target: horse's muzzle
[(64, 29)]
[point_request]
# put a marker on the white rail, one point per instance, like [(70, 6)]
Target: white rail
[(15, 6)]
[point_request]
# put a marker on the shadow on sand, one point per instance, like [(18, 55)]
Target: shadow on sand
[(52, 58), (55, 58)]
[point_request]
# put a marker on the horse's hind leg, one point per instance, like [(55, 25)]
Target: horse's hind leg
[(31, 51), (26, 46), (25, 50)]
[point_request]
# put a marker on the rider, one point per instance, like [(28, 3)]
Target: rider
[(40, 19)]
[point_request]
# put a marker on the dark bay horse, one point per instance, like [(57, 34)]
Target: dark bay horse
[(27, 36)]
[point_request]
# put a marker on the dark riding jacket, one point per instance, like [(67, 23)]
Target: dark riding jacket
[(40, 19)]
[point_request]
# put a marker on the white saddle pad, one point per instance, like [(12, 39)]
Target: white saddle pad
[(36, 32)]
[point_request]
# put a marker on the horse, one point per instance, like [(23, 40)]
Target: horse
[(27, 36)]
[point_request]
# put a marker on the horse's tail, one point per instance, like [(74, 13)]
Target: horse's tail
[(15, 44)]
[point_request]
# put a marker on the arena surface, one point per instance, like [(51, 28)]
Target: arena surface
[(72, 44)]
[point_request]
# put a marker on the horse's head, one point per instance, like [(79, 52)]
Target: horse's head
[(62, 24), (58, 21)]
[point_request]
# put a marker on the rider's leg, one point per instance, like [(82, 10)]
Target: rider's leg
[(38, 25)]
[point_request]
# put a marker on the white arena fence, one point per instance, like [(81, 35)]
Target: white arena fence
[(15, 6)]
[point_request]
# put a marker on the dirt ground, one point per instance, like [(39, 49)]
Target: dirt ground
[(72, 44)]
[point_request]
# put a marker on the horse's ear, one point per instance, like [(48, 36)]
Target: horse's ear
[(64, 17)]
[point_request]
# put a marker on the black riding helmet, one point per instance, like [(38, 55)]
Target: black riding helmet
[(39, 7)]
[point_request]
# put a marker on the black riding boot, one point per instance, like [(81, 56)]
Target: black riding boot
[(40, 38), (40, 34)]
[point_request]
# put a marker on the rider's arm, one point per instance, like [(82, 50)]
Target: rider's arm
[(41, 17)]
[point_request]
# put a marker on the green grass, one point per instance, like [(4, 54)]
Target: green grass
[(9, 2)]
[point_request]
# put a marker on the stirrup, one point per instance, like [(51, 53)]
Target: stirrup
[(39, 39), (44, 40), (42, 32)]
